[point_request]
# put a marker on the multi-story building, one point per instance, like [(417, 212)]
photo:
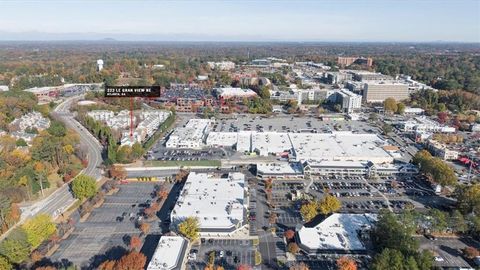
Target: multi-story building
[(225, 65), (365, 75), (31, 120), (45, 94), (378, 91), (347, 61), (101, 115), (425, 125), (349, 101), (191, 136), (234, 93), (441, 150), (315, 94)]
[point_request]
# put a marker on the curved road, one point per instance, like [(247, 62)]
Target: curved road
[(62, 198)]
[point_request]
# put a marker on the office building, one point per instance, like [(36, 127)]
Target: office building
[(347, 61), (377, 92)]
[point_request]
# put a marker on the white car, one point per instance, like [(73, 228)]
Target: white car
[(439, 259)]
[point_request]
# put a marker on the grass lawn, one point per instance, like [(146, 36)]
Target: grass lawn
[(179, 163)]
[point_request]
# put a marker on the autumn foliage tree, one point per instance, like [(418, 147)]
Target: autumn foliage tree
[(289, 234), (346, 263), (471, 252), (107, 265), (135, 243), (181, 175), (244, 267), (299, 266), (118, 173), (329, 204), (293, 248), (131, 261), (145, 228)]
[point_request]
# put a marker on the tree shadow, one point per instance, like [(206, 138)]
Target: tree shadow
[(114, 253), (149, 245), (45, 262)]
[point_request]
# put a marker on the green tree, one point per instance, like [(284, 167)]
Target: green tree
[(15, 250), (309, 210), (329, 204), (189, 228), (84, 187), (38, 229), (390, 259), (5, 264), (390, 233), (438, 220), (264, 92), (457, 221), (424, 260), (390, 105), (57, 129), (468, 198), (21, 142), (400, 108), (137, 150), (387, 128), (411, 263)]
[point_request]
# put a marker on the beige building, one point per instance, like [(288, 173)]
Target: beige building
[(379, 91), (441, 150)]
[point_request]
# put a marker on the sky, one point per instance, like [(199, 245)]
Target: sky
[(247, 20)]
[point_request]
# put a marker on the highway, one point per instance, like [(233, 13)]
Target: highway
[(57, 202)]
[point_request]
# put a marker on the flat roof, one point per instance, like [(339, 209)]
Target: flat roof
[(337, 232), (339, 146), (336, 146), (168, 254), (280, 168), (218, 203), (235, 91)]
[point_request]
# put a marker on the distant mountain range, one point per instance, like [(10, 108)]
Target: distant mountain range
[(113, 37)]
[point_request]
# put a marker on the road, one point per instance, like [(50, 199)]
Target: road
[(62, 198)]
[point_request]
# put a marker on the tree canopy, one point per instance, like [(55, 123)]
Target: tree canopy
[(189, 228), (38, 229), (84, 187)]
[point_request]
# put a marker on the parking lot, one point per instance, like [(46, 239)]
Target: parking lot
[(108, 228), (160, 152), (229, 253), (356, 194), (286, 123), (447, 251)]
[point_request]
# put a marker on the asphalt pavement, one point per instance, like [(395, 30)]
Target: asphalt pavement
[(57, 202)]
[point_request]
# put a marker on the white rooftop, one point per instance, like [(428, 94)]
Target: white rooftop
[(279, 168), (339, 146), (336, 146), (218, 203), (168, 253), (337, 232), (235, 92)]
